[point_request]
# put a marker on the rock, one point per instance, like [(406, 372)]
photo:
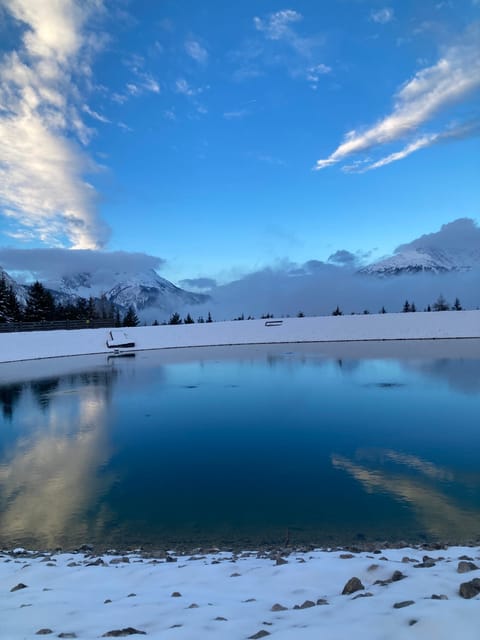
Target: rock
[(470, 589), (465, 567), (176, 594), (278, 607), (260, 634), (305, 605), (465, 558), (170, 559), (221, 619), (86, 547), (119, 560), (280, 561), (107, 601), (440, 596), (72, 564), (96, 563), (18, 586), (194, 605), (132, 595), (404, 603), (346, 556), (367, 594), (322, 601), (373, 567), (352, 585), (426, 564), (43, 632), (120, 633), (235, 575), (397, 575), (412, 622), (67, 634)]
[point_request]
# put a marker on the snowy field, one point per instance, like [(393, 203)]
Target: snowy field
[(402, 593), (391, 326)]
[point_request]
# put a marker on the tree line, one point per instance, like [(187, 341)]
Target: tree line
[(41, 307)]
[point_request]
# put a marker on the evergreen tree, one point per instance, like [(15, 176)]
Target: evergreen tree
[(3, 299), (406, 307), (337, 312), (300, 314), (155, 323), (131, 318), (117, 318), (175, 318), (383, 310), (40, 304), (441, 304), (201, 320), (413, 308), (188, 319), (209, 317), (456, 305)]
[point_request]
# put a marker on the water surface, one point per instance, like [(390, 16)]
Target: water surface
[(248, 446)]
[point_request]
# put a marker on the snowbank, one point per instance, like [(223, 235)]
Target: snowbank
[(249, 595), (394, 326)]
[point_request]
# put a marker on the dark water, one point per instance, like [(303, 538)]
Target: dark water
[(327, 447)]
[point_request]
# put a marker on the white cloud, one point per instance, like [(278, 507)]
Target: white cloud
[(382, 16), (183, 87), (452, 79), (42, 166), (277, 25), (94, 114), (196, 51), (236, 115)]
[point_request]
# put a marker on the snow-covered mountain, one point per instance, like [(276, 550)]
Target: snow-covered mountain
[(424, 260), (20, 290), (140, 290)]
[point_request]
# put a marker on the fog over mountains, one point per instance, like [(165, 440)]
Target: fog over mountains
[(445, 262)]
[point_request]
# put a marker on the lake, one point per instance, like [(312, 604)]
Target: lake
[(247, 446)]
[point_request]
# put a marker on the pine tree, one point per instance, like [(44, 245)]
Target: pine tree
[(209, 317), (155, 323), (337, 312), (406, 307), (40, 304), (175, 318), (131, 318), (413, 308), (300, 314), (456, 305), (188, 319), (383, 310), (441, 304)]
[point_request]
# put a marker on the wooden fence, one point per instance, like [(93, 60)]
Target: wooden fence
[(7, 327)]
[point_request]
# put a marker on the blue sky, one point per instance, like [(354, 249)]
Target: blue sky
[(227, 137)]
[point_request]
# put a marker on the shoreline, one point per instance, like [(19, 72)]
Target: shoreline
[(392, 327), (394, 593)]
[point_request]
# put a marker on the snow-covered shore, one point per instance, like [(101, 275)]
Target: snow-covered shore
[(404, 593), (394, 326)]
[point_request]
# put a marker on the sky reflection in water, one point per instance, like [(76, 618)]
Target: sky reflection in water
[(273, 442)]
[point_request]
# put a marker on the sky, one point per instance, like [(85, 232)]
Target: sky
[(221, 139)]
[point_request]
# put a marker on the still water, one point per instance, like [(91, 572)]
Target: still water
[(247, 446)]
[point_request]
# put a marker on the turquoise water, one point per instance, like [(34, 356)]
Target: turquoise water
[(255, 447)]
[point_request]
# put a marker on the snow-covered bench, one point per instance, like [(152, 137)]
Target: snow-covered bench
[(119, 339)]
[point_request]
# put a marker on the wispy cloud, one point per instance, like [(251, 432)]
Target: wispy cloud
[(195, 50), (279, 42), (94, 114), (382, 16), (451, 80), (236, 115), (43, 161)]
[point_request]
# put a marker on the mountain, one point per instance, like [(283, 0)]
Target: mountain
[(20, 290), (140, 290), (424, 260)]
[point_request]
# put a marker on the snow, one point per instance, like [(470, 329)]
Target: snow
[(428, 259), (229, 596), (392, 326)]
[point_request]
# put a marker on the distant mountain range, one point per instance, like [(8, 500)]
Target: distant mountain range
[(141, 291), (424, 260)]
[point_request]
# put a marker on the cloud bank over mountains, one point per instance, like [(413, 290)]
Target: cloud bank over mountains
[(314, 287)]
